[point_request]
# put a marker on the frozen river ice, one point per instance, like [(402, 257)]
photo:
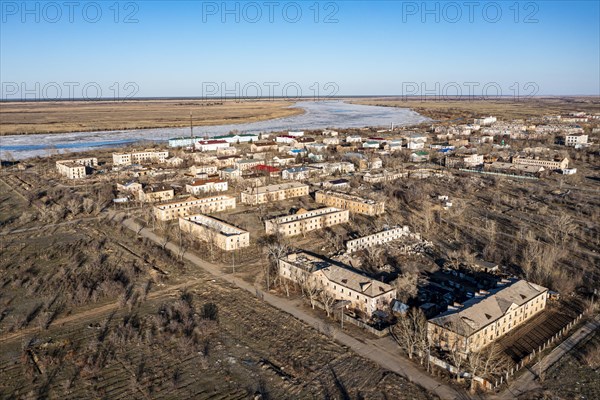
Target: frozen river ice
[(317, 115)]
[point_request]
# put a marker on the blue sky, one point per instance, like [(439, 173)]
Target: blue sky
[(155, 48)]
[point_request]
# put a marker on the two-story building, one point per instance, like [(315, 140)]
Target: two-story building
[(341, 281)]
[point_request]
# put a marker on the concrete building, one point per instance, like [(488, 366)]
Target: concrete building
[(247, 164), (341, 281), (295, 173), (140, 157), (576, 141), (266, 194), (353, 139), (260, 147), (336, 184), (287, 139), (184, 141), (380, 238), (488, 316), (203, 169), (415, 141), (211, 145), (129, 187), (200, 186), (383, 176), (349, 202), (547, 164), (77, 168), (485, 121), (155, 194), (233, 139), (514, 169), (223, 235), (207, 205), (230, 173), (306, 221)]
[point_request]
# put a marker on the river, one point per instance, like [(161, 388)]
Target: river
[(317, 115)]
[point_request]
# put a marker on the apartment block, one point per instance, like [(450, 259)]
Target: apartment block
[(140, 157), (265, 194), (380, 238), (225, 236), (200, 186), (488, 316), (576, 140), (357, 204), (176, 209), (384, 176), (155, 194), (306, 221), (360, 291), (75, 169)]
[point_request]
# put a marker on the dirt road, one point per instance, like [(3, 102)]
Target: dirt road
[(382, 351)]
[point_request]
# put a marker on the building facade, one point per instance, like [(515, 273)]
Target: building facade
[(380, 238), (353, 203), (200, 186), (140, 157), (547, 164), (156, 194), (306, 221), (488, 316), (342, 282), (176, 209), (223, 235), (75, 169), (265, 194)]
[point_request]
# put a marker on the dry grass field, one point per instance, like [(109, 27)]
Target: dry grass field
[(508, 108), (76, 116)]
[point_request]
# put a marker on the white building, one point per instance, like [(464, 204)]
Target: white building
[(211, 145), (140, 157), (201, 186), (353, 139), (176, 209), (306, 221), (203, 169), (576, 141), (75, 169), (473, 160), (380, 238), (295, 173), (225, 236), (485, 121)]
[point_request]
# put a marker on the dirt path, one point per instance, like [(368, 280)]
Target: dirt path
[(382, 351), (97, 311)]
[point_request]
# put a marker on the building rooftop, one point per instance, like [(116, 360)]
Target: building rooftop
[(481, 311), (343, 275)]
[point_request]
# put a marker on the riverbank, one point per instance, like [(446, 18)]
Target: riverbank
[(27, 118)]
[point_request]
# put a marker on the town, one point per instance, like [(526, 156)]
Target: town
[(421, 236)]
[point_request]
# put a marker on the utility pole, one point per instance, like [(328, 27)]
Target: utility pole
[(192, 132)]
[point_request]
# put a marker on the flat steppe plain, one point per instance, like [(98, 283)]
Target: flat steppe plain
[(20, 118), (443, 109)]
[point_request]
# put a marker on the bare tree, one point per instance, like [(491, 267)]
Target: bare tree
[(312, 291), (485, 362), (410, 332), (328, 300)]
